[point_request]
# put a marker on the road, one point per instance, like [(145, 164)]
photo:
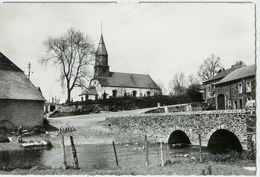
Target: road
[(88, 127)]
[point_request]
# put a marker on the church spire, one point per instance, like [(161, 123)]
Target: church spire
[(101, 49)]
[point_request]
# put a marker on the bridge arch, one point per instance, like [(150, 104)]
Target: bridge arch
[(178, 137), (222, 141)]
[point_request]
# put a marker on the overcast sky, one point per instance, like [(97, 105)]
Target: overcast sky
[(155, 39)]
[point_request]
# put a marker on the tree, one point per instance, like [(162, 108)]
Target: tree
[(194, 93), (209, 68), (192, 80), (177, 84), (74, 53)]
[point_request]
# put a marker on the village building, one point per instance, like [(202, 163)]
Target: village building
[(236, 89), (208, 87), (21, 103), (107, 84)]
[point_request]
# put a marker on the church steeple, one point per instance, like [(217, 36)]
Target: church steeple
[(101, 61), (101, 49)]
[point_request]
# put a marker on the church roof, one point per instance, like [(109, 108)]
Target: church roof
[(101, 49), (14, 84), (240, 73), (128, 80)]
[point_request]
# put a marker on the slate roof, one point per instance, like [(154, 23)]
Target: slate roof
[(239, 73), (101, 49), (14, 84), (128, 80), (222, 74), (89, 91)]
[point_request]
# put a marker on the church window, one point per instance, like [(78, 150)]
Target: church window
[(134, 93), (114, 93), (104, 95), (125, 94), (148, 93)]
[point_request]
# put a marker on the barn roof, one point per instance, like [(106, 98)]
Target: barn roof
[(7, 64), (14, 84), (128, 80), (240, 73)]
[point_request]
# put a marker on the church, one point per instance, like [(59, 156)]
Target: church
[(106, 84)]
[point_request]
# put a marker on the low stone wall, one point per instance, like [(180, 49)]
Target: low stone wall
[(158, 127)]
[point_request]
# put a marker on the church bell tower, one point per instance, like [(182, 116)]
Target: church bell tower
[(101, 68)]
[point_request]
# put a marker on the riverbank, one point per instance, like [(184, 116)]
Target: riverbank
[(177, 168)]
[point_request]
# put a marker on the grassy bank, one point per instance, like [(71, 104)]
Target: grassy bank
[(178, 167)]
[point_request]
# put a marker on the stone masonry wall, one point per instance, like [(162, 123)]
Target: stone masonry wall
[(21, 112), (158, 127)]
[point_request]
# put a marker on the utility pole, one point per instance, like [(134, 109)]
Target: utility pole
[(29, 70)]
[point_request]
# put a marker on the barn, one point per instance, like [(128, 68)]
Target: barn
[(21, 103)]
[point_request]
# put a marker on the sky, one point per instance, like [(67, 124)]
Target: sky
[(156, 39)]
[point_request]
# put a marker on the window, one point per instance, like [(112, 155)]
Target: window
[(240, 103), (114, 93), (248, 86), (249, 98), (134, 93), (148, 93), (235, 105), (240, 87)]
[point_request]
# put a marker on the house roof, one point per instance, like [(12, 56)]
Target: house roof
[(7, 64), (89, 91), (223, 73), (14, 84), (239, 73), (101, 49), (128, 80)]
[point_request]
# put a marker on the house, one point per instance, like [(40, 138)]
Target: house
[(89, 94), (21, 103), (236, 89), (208, 87), (109, 84)]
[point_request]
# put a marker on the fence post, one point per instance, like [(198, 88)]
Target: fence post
[(64, 154), (200, 147), (74, 153), (114, 147), (161, 146), (146, 150)]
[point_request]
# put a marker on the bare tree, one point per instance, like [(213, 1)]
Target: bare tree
[(192, 80), (177, 84), (74, 53), (209, 68)]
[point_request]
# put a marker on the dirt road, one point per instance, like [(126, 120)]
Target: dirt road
[(89, 129)]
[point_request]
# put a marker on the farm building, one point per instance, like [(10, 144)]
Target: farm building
[(21, 103)]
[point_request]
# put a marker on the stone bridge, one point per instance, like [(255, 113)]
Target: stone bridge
[(233, 127)]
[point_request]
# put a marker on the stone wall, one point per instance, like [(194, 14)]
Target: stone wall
[(22, 112), (230, 91), (158, 127)]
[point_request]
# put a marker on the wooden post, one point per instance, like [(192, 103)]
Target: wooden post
[(200, 147), (114, 147), (162, 162), (64, 154), (146, 150), (74, 153)]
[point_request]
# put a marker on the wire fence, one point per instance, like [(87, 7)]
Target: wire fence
[(97, 156)]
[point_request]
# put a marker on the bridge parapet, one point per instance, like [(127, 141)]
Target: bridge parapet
[(159, 126)]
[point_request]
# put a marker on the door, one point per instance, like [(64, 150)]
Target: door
[(221, 101)]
